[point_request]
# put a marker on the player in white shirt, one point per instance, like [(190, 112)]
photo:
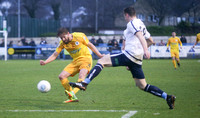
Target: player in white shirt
[(135, 48)]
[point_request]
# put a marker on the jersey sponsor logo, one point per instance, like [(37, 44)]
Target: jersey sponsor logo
[(75, 51), (77, 43), (88, 66), (116, 61), (173, 43)]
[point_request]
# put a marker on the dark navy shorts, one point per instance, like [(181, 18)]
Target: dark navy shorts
[(121, 60)]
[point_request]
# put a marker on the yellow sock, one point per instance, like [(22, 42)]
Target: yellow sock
[(174, 63), (65, 83), (77, 89)]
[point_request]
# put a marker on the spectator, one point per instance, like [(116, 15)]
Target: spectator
[(161, 43), (113, 40), (92, 40), (43, 41), (23, 39), (96, 43), (32, 43), (183, 39), (19, 43), (116, 46), (121, 40), (56, 43), (10, 44), (2, 43), (109, 43), (24, 42), (99, 40)]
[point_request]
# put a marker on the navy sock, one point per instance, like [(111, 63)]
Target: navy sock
[(93, 73), (155, 91)]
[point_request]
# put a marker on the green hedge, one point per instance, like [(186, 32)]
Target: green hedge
[(184, 28), (161, 30)]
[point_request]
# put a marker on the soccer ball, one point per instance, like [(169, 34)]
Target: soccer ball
[(44, 86)]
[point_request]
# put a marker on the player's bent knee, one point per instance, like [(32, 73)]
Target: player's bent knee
[(105, 60), (61, 76), (141, 85), (82, 75), (101, 61)]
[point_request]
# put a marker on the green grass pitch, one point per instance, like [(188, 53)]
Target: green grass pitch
[(113, 89)]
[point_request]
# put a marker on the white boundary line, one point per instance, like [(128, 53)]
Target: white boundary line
[(128, 115)]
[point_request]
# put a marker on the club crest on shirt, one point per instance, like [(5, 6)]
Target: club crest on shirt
[(77, 43)]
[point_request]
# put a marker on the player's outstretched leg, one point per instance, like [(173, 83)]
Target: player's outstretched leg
[(158, 92), (93, 73), (68, 89)]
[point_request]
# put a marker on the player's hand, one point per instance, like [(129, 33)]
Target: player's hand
[(181, 47), (123, 48), (101, 55), (167, 48), (127, 68), (42, 62), (147, 54)]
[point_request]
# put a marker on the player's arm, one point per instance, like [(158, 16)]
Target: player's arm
[(144, 44), (53, 56), (149, 41), (195, 43), (148, 38), (50, 59), (94, 49), (168, 44), (179, 41), (123, 44)]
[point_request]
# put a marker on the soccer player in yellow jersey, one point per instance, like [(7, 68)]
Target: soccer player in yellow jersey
[(77, 45), (197, 39), (174, 48)]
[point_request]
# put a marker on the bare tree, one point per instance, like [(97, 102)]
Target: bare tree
[(111, 9), (55, 5), (160, 8), (195, 7), (181, 6), (31, 6)]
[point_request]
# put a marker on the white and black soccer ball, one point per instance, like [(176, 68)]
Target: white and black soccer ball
[(44, 86)]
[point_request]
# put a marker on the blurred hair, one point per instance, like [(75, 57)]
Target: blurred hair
[(130, 11), (61, 31)]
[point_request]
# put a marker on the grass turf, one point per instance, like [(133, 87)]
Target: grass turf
[(113, 89)]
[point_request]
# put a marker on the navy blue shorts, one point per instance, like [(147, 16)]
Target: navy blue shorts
[(121, 60)]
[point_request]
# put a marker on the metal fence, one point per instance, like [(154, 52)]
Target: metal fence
[(30, 27)]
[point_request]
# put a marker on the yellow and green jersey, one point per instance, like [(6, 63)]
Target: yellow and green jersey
[(77, 48), (173, 42)]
